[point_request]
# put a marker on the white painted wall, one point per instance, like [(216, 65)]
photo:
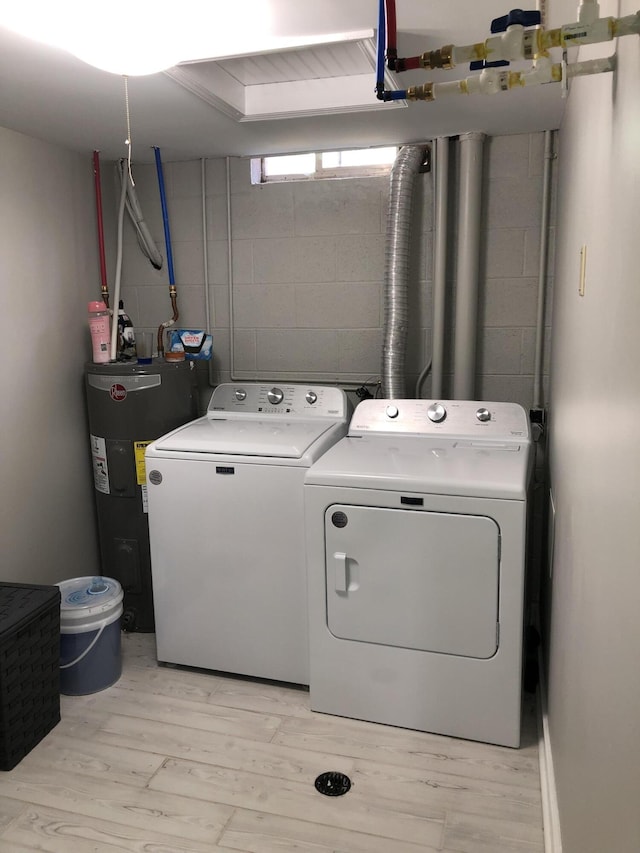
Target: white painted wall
[(594, 677), (48, 273)]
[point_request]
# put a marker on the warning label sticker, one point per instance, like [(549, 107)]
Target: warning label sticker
[(100, 467), (139, 448)]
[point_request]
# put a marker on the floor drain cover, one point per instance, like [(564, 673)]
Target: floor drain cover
[(333, 784)]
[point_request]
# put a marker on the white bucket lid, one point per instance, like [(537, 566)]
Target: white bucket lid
[(88, 598)]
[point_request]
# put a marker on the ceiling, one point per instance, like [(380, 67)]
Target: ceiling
[(49, 94)]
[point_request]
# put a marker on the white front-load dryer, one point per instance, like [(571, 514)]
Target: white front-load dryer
[(416, 532), (226, 526)]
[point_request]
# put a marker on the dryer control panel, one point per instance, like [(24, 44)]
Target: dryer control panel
[(246, 399), (466, 419)]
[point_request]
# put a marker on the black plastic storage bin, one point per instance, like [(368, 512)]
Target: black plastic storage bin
[(29, 668)]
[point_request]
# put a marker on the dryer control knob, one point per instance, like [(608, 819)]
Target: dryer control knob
[(275, 396), (311, 397), (241, 394), (436, 412), (483, 415), (392, 411)]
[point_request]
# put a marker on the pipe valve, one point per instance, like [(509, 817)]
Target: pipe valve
[(516, 36), (516, 16)]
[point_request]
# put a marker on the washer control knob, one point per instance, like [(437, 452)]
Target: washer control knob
[(311, 397), (241, 394), (275, 396), (483, 415), (436, 412), (392, 411)]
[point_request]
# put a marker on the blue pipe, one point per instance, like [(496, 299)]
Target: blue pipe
[(395, 95), (381, 95), (165, 216)]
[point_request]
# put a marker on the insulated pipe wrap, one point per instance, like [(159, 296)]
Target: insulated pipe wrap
[(439, 265), (396, 281), (468, 265)]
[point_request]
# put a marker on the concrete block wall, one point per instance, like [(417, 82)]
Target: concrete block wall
[(308, 270), (509, 268)]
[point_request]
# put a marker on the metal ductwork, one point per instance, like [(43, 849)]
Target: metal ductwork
[(396, 309)]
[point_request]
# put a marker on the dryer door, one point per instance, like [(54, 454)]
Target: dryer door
[(413, 579)]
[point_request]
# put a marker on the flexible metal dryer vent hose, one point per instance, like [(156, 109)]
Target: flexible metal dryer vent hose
[(396, 280)]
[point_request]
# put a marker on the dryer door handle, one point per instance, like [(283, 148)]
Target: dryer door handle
[(342, 572)]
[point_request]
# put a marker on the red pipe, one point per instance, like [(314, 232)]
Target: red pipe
[(390, 32), (393, 62), (103, 263), (390, 10), (408, 64)]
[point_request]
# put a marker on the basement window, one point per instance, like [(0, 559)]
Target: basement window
[(354, 163)]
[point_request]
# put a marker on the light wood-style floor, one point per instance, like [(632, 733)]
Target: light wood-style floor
[(171, 759)]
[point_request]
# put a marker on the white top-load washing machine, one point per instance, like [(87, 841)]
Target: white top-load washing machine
[(226, 525), (416, 530)]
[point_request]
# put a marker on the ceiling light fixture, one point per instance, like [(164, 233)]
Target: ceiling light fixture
[(146, 37)]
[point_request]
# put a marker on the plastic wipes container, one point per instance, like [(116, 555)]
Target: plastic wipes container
[(90, 611)]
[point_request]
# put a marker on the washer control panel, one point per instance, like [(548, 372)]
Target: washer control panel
[(446, 418), (245, 399)]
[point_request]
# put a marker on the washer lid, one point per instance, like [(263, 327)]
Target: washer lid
[(427, 465), (269, 437)]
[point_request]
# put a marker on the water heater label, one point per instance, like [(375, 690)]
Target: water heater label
[(100, 467), (139, 448)]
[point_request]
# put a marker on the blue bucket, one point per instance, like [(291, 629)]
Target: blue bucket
[(90, 654)]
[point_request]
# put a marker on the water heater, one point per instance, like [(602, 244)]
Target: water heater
[(129, 405)]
